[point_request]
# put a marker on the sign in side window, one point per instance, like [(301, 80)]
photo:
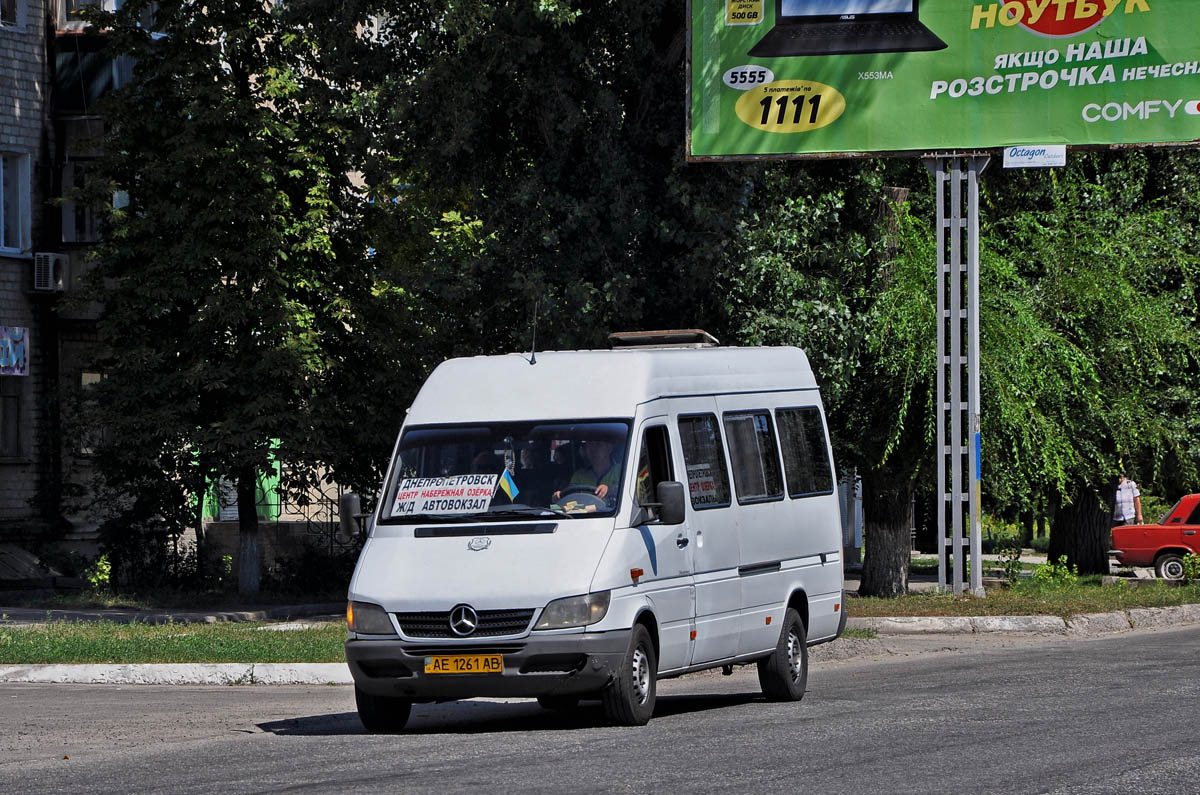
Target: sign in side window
[(805, 453), (753, 455), (708, 482)]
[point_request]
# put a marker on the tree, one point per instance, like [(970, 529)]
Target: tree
[(227, 267), (1092, 346), (517, 163)]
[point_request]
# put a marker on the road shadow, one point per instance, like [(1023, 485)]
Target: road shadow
[(491, 717)]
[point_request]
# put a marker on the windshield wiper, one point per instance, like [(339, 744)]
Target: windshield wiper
[(504, 513), (525, 511)]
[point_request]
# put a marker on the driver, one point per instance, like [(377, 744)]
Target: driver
[(599, 470)]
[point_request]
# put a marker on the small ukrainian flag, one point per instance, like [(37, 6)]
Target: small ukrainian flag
[(509, 485)]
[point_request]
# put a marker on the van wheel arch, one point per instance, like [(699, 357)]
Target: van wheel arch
[(798, 601), (647, 619)]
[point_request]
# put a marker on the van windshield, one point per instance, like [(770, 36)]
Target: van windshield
[(506, 470)]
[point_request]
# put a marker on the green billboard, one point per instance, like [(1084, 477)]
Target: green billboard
[(771, 78)]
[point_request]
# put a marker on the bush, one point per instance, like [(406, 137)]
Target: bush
[(1191, 566), (1054, 575), (313, 571), (1041, 545)]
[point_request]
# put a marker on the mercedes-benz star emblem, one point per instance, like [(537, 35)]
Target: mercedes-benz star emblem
[(463, 620), (479, 542)]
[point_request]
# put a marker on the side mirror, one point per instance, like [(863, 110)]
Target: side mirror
[(349, 515), (670, 495)]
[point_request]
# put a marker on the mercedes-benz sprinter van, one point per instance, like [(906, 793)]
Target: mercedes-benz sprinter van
[(577, 525)]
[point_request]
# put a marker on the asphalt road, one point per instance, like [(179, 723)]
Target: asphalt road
[(954, 714)]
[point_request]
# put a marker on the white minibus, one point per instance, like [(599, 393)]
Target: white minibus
[(579, 524)]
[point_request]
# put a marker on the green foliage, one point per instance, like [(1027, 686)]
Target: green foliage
[(99, 574), (1191, 566), (1010, 559), (1056, 575), (103, 642), (1041, 545)]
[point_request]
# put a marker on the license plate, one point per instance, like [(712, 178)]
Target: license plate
[(465, 664)]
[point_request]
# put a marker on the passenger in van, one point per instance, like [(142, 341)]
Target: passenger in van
[(599, 470), (487, 463)]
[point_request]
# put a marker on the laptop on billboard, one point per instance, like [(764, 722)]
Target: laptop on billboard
[(845, 27)]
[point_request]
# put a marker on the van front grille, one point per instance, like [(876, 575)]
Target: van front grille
[(492, 623)]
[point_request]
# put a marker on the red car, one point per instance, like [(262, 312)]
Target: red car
[(1161, 545)]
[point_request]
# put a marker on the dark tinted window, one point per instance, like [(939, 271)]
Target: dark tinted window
[(708, 482), (805, 452), (753, 455)]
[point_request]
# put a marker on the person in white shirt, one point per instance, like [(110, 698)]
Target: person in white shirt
[(1128, 503)]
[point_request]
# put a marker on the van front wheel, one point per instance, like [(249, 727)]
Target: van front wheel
[(784, 675), (382, 714), (629, 697)]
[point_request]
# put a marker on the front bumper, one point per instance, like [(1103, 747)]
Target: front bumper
[(533, 666)]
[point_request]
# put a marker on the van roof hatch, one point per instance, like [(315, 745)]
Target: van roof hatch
[(670, 338)]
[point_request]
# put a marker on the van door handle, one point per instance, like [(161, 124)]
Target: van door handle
[(681, 542), (1189, 532)]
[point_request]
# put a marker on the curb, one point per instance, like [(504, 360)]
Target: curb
[(183, 674), (1084, 624)]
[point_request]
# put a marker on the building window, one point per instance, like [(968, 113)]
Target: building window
[(10, 416), (90, 436), (69, 13), (14, 201), (8, 12), (78, 220)]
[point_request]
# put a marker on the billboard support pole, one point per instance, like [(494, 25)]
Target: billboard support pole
[(958, 438)]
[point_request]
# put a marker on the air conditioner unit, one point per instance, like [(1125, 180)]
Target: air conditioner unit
[(49, 272)]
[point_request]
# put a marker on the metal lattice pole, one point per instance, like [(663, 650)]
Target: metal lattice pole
[(958, 432)]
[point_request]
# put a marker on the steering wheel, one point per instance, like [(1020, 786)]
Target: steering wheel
[(586, 493)]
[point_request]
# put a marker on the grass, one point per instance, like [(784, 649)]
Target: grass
[(227, 642), (163, 600), (861, 634), (1028, 598)]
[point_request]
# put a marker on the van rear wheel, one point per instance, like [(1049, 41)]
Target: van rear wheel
[(629, 698), (784, 675), (382, 714)]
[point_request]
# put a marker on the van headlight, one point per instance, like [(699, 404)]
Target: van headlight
[(574, 611), (365, 618)]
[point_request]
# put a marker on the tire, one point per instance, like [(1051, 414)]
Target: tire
[(629, 698), (382, 714), (1169, 566), (558, 702), (784, 675)]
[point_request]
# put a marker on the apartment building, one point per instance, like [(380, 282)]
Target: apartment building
[(51, 75)]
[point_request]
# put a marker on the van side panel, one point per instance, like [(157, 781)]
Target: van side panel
[(665, 587)]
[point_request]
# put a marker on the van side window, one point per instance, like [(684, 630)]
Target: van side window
[(654, 465), (708, 482), (805, 452), (754, 456)]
